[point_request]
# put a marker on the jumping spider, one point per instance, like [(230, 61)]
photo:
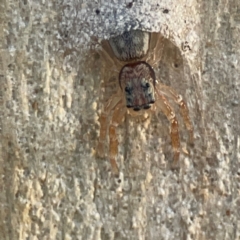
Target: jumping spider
[(134, 54)]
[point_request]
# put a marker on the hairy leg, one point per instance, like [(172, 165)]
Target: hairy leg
[(168, 91), (117, 118), (104, 123), (112, 115), (165, 107), (109, 56), (155, 49)]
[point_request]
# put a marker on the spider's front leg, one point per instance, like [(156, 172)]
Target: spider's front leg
[(117, 118), (104, 123), (114, 104), (165, 107), (168, 91)]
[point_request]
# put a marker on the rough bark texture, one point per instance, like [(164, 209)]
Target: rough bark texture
[(52, 184)]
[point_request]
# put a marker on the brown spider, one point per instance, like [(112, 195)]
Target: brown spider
[(133, 54)]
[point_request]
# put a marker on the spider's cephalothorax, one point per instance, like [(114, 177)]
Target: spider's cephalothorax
[(134, 54), (137, 81)]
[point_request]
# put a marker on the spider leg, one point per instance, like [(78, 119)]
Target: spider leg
[(119, 110), (117, 118), (155, 49), (168, 91), (104, 123), (109, 56), (165, 107)]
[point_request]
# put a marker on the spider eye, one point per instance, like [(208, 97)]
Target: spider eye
[(145, 85), (128, 89), (147, 106), (136, 108)]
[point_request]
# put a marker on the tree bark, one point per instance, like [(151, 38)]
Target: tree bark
[(53, 186)]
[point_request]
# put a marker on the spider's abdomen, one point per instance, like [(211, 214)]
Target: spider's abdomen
[(137, 80), (130, 45)]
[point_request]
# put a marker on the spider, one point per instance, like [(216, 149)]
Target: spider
[(134, 54)]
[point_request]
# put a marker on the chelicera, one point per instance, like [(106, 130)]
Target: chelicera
[(134, 55)]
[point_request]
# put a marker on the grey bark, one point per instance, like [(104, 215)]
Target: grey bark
[(52, 184)]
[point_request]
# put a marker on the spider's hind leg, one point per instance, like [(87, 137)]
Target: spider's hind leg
[(109, 57), (155, 49)]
